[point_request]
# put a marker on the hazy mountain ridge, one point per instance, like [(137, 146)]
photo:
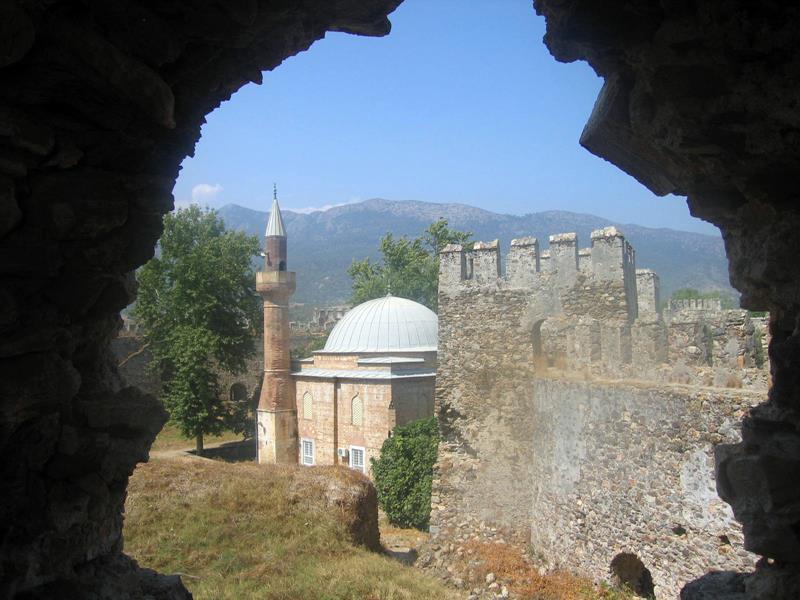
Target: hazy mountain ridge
[(323, 244)]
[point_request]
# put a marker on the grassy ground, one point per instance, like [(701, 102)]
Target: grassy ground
[(245, 531), (170, 438)]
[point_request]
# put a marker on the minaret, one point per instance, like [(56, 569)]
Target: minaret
[(276, 435)]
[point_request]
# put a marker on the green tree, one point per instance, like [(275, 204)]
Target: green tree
[(199, 312), (408, 268), (404, 473), (310, 345)]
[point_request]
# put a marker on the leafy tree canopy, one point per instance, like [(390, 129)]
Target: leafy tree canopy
[(199, 311), (408, 268), (404, 473)]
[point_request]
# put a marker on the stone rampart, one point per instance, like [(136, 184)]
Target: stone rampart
[(561, 420), (704, 304), (626, 469), (610, 260), (134, 361)]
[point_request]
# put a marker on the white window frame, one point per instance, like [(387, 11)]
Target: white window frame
[(363, 467), (303, 453)]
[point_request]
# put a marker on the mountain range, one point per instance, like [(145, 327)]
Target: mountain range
[(323, 244)]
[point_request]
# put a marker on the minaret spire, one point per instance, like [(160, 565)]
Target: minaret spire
[(275, 226), (276, 435)]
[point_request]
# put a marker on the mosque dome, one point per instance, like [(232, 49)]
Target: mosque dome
[(385, 324)]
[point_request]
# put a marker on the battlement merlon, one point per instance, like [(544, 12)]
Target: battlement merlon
[(452, 266), (610, 258), (564, 255), (648, 290), (611, 253), (695, 304), (523, 262), (486, 261)]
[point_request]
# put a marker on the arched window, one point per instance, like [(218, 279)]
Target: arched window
[(357, 411), (308, 405), (627, 570), (536, 338)]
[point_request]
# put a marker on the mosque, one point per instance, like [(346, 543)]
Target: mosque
[(376, 371)]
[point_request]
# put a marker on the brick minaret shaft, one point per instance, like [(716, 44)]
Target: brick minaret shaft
[(276, 414)]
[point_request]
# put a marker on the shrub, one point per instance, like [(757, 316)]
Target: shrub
[(404, 472)]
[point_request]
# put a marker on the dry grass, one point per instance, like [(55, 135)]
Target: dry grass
[(246, 531), (510, 565), (170, 438), (413, 538)]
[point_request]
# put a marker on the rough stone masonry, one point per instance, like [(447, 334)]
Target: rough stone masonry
[(555, 428)]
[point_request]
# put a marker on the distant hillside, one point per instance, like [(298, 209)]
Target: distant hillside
[(323, 244)]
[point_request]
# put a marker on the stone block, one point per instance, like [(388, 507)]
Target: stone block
[(486, 261)]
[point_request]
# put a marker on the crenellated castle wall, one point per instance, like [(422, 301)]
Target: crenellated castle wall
[(571, 413)]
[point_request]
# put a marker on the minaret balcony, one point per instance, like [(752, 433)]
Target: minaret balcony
[(276, 281)]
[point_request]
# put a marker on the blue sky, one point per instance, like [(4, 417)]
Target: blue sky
[(460, 103)]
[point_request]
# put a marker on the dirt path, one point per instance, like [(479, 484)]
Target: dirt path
[(187, 452)]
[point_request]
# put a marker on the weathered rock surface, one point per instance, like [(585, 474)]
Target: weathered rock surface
[(700, 99), (99, 104)]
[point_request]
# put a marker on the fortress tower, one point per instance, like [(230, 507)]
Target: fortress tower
[(276, 429)]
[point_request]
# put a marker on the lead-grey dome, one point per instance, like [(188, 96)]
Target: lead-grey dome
[(384, 325)]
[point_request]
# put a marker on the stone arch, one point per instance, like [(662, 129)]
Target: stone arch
[(628, 571)]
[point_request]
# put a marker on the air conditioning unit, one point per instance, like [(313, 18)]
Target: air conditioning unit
[(342, 452)]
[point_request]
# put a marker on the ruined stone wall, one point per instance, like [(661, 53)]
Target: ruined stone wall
[(485, 357), (723, 339), (134, 361), (494, 332), (413, 399), (586, 469), (648, 291), (537, 442), (629, 469)]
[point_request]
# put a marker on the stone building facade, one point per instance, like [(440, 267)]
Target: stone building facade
[(376, 371), (349, 403), (562, 418)]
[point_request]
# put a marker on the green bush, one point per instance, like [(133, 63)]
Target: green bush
[(404, 471)]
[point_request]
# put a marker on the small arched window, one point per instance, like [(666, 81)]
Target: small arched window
[(357, 411), (629, 571), (536, 338), (308, 405)]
